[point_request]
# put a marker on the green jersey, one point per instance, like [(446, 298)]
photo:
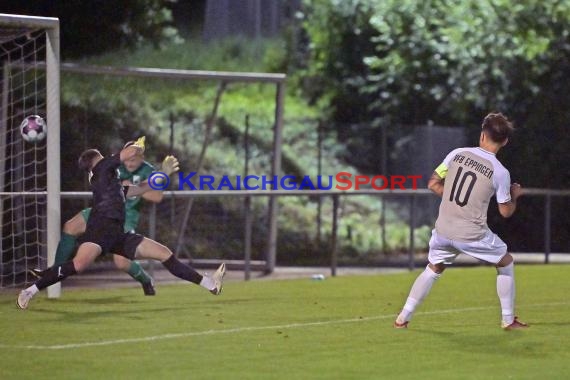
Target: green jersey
[(133, 204)]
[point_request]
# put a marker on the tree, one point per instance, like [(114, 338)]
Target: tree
[(94, 27), (407, 62), (404, 62)]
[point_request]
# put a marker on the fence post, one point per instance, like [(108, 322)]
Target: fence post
[(247, 238), (319, 173), (334, 253), (271, 256), (547, 219), (383, 224), (247, 206), (152, 233), (412, 230)]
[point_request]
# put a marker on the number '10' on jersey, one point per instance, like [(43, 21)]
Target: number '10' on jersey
[(473, 176)]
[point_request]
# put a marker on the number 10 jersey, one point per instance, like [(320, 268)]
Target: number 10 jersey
[(472, 176)]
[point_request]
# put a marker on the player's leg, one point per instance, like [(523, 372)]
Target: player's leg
[(150, 249), (66, 246), (86, 254), (506, 288), (493, 250), (506, 293), (71, 230), (419, 291), (135, 270), (441, 253)]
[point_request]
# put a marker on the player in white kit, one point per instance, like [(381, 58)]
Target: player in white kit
[(466, 180)]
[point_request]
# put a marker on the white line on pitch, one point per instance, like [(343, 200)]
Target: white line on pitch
[(253, 328)]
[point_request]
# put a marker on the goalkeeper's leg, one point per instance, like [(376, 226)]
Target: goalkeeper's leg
[(66, 246), (71, 230), (135, 270)]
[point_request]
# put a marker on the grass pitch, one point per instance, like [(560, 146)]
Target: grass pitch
[(340, 328)]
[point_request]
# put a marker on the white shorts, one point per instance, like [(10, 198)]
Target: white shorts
[(490, 249)]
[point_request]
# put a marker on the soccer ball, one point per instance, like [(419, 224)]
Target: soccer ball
[(33, 129)]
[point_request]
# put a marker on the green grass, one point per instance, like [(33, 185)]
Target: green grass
[(340, 328)]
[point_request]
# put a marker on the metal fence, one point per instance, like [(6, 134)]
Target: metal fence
[(316, 226)]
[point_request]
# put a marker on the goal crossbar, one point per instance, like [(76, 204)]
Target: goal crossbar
[(29, 21)]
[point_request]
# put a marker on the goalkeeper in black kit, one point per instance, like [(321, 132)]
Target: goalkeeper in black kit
[(104, 233)]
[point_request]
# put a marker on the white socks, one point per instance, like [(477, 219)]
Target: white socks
[(506, 292), (424, 282), (33, 289), (419, 291), (207, 282)]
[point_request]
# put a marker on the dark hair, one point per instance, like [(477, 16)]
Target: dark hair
[(497, 127), (85, 161)]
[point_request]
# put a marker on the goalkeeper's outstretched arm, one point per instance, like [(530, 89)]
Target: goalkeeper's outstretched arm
[(170, 166), (154, 196), (136, 190)]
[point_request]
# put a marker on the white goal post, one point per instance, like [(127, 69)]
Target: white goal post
[(30, 84)]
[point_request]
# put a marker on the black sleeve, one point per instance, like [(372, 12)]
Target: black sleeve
[(108, 164)]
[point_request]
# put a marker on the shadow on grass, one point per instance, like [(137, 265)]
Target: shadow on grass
[(77, 316), (508, 344), (89, 309), (94, 301)]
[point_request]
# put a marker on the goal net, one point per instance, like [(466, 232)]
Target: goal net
[(29, 192)]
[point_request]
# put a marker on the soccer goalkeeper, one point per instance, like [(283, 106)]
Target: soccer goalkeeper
[(104, 232), (133, 171)]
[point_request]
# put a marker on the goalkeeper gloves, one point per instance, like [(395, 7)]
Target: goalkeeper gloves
[(170, 165)]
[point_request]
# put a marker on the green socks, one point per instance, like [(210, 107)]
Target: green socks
[(137, 272), (65, 248)]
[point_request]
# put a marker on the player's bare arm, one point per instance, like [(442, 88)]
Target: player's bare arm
[(154, 196), (508, 209), (170, 166), (136, 190), (435, 184)]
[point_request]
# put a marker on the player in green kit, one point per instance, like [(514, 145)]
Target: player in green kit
[(105, 229), (133, 171)]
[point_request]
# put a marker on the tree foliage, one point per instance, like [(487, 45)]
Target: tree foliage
[(392, 63), (339, 37), (94, 27), (401, 62)]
